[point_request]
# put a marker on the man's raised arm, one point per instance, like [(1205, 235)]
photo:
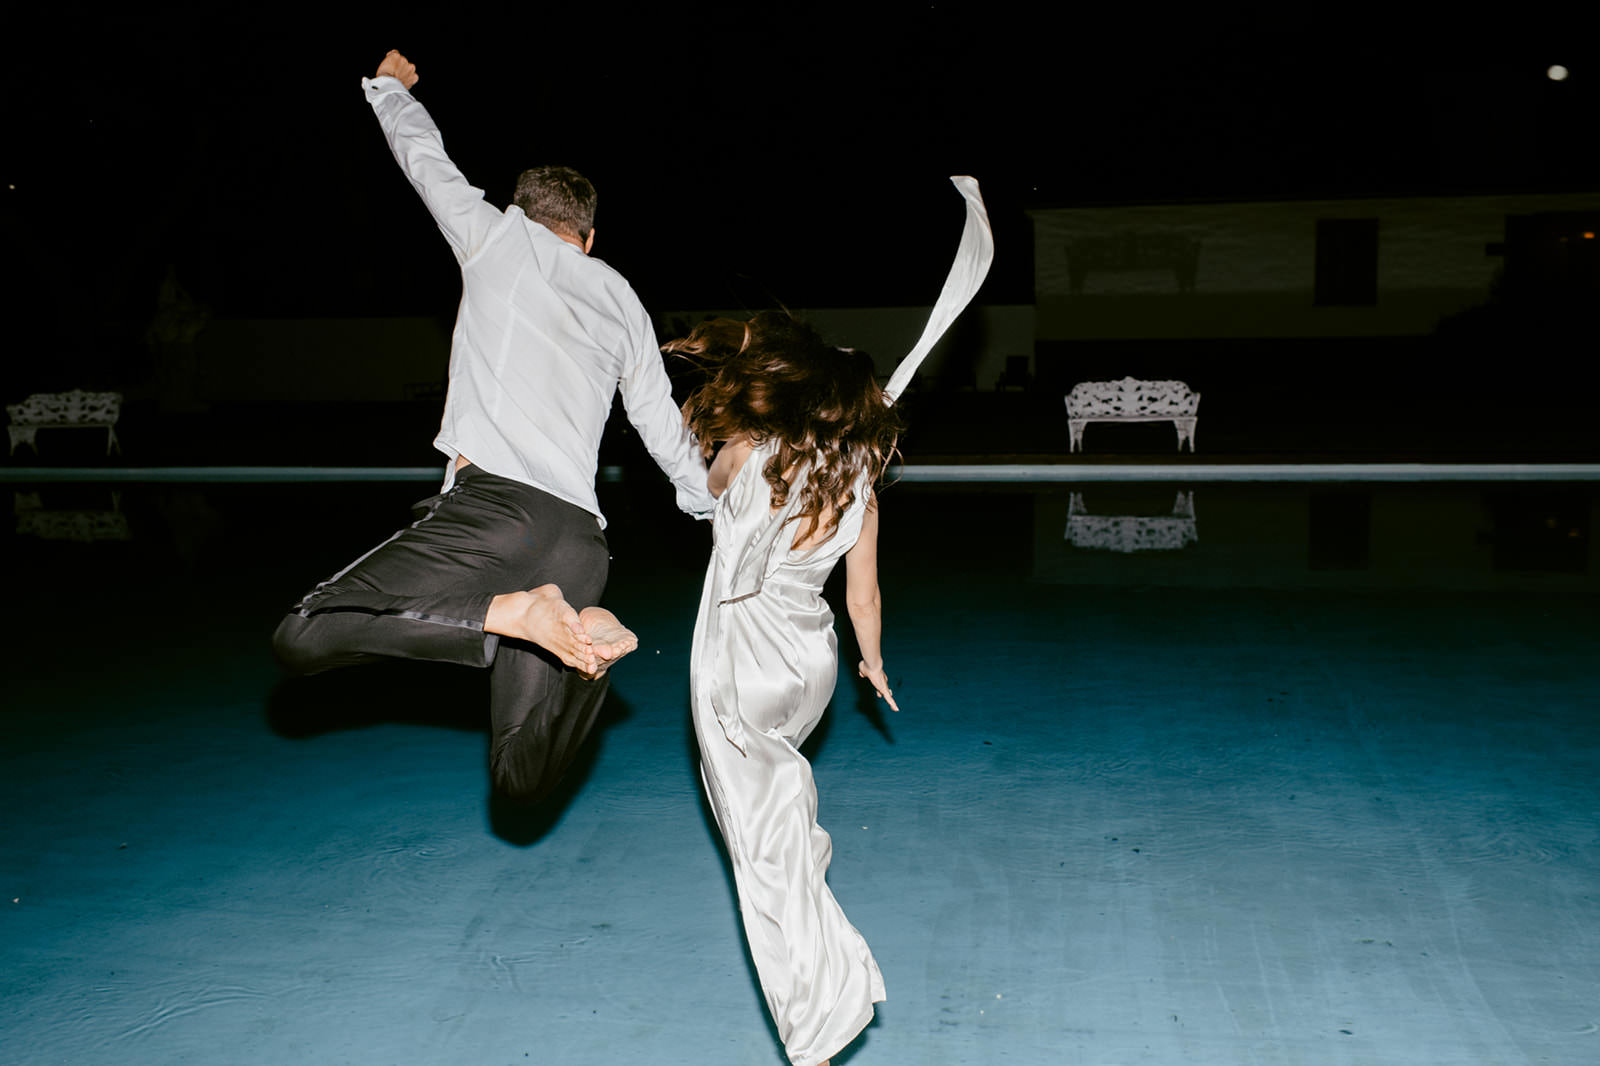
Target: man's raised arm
[(459, 209)]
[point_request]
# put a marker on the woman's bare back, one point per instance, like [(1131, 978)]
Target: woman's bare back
[(731, 459)]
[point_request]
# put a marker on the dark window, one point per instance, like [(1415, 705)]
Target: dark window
[(1347, 262)]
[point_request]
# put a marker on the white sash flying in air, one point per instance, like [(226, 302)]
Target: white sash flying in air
[(966, 275)]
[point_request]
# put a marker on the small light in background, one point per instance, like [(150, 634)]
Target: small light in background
[(1556, 73)]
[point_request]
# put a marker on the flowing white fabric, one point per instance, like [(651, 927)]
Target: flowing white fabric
[(762, 671), (971, 266)]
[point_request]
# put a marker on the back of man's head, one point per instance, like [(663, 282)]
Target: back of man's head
[(558, 198)]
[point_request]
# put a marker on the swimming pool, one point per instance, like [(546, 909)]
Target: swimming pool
[(1313, 784)]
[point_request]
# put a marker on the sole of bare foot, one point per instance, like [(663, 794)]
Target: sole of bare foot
[(541, 616), (611, 640)]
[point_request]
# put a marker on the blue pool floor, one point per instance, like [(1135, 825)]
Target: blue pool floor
[(1110, 826)]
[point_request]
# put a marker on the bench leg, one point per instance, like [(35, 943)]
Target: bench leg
[(1185, 428)]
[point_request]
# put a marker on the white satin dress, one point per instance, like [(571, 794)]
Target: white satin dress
[(763, 668)]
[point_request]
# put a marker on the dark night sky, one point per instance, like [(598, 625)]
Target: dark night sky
[(796, 156)]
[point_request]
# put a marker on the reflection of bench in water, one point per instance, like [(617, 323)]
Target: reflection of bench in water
[(1132, 533), (82, 525)]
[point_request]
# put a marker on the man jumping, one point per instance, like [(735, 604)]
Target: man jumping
[(505, 567)]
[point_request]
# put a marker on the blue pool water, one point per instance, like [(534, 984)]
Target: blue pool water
[(1313, 786)]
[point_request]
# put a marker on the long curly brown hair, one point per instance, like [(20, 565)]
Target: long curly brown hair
[(775, 378)]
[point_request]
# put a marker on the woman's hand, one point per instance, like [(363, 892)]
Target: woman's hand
[(880, 681)]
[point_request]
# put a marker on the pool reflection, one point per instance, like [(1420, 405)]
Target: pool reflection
[(84, 522), (1372, 536), (1127, 533)]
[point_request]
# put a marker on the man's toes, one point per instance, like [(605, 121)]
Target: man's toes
[(612, 650)]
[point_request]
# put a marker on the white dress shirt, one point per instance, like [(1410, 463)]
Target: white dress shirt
[(544, 338)]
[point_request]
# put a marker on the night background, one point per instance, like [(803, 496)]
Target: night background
[(744, 159), (1217, 755)]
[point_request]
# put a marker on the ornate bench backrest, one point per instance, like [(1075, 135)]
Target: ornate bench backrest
[(75, 408), (1131, 398)]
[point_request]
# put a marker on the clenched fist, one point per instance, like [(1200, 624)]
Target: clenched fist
[(398, 66)]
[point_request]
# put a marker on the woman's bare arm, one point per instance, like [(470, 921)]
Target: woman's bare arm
[(865, 603)]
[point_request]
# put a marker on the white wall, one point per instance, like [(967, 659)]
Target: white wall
[(1256, 266)]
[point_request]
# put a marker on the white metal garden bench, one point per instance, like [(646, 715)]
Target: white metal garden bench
[(1132, 400), (64, 410)]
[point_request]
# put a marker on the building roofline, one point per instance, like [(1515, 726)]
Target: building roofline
[(1310, 197)]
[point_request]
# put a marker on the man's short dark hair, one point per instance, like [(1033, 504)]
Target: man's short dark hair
[(559, 198)]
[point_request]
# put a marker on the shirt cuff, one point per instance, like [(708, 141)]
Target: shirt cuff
[(697, 505), (380, 85)]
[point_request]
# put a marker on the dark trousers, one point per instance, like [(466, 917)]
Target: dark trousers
[(424, 593)]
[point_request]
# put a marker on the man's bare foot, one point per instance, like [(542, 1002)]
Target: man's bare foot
[(541, 616), (611, 640)]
